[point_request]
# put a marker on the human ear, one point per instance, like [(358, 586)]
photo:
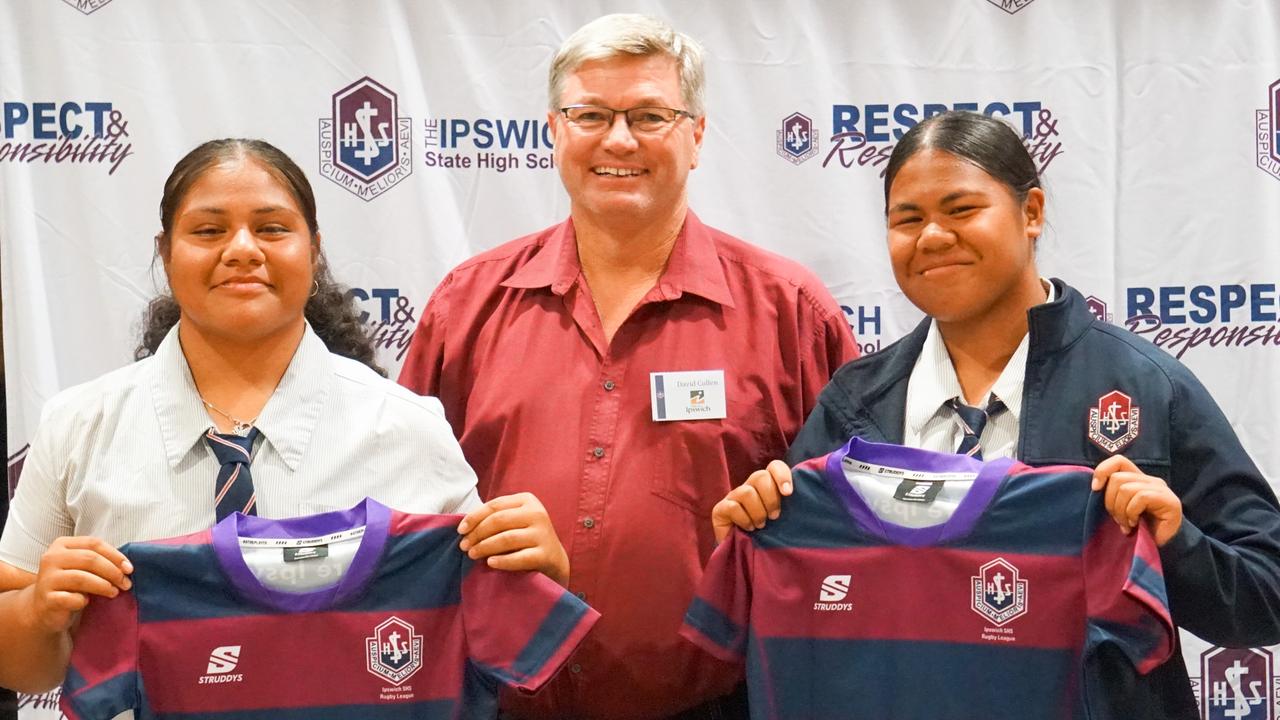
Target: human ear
[(1033, 212), (699, 127)]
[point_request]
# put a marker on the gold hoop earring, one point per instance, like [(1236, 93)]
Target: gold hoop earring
[(315, 288)]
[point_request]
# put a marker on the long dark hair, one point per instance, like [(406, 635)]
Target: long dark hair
[(991, 144), (330, 310)]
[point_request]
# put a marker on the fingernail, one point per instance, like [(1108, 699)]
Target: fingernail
[(464, 546), (773, 515), (128, 583), (128, 566), (472, 554), (463, 528), (786, 487)]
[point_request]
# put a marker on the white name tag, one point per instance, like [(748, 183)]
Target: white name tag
[(689, 395)]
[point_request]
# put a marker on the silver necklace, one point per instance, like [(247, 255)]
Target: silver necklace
[(238, 426)]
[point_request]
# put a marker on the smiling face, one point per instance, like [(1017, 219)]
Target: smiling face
[(618, 174), (961, 244), (240, 256)]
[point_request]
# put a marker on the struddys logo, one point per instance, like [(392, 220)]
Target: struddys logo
[(1181, 318), (390, 317), (88, 7), (365, 146), (394, 652), (1268, 121), (797, 139), (864, 136), (1237, 684), (1011, 6), (865, 322), (66, 132), (16, 461), (498, 145)]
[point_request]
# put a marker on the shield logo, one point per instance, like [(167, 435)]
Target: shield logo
[(1097, 308), (999, 594), (365, 114), (395, 651), (1113, 423), (1236, 684), (1273, 93), (797, 140)]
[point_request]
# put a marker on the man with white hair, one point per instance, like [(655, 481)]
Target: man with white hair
[(629, 366)]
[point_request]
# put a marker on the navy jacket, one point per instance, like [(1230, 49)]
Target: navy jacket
[(1222, 569)]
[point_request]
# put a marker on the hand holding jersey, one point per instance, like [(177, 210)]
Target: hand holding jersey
[(1132, 496), (753, 503), (514, 533), (71, 571)]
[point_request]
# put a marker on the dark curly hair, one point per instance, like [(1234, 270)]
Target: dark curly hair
[(330, 310)]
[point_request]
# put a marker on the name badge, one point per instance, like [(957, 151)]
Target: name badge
[(689, 395)]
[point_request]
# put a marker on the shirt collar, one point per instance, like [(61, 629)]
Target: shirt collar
[(694, 266), (555, 265), (287, 420), (934, 381)]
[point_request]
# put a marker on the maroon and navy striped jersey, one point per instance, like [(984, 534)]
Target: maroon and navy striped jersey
[(994, 609), (363, 613)]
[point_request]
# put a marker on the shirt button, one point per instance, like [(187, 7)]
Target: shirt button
[(581, 595), (598, 452), (609, 385), (588, 523), (575, 668)]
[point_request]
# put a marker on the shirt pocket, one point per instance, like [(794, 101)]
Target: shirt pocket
[(700, 461)]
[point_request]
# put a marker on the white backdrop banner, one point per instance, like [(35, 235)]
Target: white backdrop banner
[(423, 128)]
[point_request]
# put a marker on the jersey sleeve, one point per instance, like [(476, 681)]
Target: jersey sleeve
[(520, 627), (720, 613), (103, 679), (1126, 602)]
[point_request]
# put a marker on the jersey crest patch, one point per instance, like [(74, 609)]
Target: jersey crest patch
[(395, 651), (1113, 424), (999, 595)]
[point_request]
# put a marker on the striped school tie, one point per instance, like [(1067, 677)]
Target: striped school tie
[(233, 491), (972, 420)]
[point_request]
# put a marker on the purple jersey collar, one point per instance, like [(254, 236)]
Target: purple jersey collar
[(375, 517), (961, 522)]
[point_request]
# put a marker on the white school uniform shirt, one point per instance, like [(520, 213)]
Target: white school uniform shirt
[(930, 425), (123, 457)]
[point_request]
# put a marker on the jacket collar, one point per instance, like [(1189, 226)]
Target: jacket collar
[(1057, 325)]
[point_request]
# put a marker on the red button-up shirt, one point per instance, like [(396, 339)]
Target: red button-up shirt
[(512, 345)]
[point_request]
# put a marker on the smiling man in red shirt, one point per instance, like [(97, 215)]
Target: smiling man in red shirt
[(629, 366)]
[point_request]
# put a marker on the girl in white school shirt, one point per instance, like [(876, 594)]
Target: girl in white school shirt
[(255, 334)]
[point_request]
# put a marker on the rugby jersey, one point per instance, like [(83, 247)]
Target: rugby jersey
[(367, 612), (901, 584)]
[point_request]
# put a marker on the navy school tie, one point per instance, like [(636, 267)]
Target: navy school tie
[(972, 421), (233, 491)]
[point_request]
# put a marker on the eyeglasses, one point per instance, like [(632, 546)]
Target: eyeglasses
[(594, 118)]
